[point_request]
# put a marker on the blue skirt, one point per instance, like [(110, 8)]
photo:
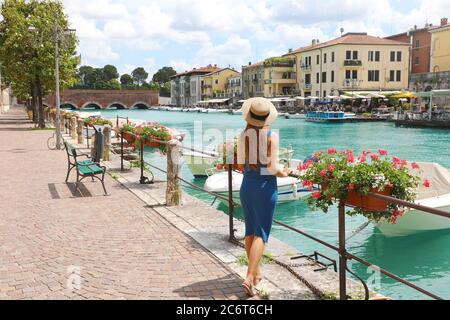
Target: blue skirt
[(259, 195)]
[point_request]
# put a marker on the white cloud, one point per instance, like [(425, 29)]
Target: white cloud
[(225, 31)]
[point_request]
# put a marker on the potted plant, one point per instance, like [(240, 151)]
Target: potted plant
[(227, 155), (152, 134), (344, 177), (126, 131)]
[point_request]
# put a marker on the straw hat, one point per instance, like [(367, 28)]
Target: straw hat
[(259, 112)]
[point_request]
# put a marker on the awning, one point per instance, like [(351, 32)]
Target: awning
[(435, 93), (214, 101), (333, 97), (346, 97), (404, 95)]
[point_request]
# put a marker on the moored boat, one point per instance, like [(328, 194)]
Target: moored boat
[(296, 116), (289, 189), (437, 196)]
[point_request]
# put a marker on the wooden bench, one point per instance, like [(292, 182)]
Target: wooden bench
[(86, 168)]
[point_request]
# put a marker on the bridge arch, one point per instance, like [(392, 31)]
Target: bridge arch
[(140, 105), (117, 105), (92, 105), (68, 105)]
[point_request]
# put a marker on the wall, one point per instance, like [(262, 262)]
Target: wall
[(5, 100), (440, 49)]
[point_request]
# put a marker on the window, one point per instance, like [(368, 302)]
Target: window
[(324, 58), (317, 59), (399, 76), (417, 43), (324, 94), (332, 57), (392, 56), (374, 76), (307, 79), (392, 76), (354, 74), (217, 81), (318, 77), (374, 56), (417, 61), (355, 55), (348, 74), (324, 77), (332, 76), (399, 56), (348, 55), (377, 56)]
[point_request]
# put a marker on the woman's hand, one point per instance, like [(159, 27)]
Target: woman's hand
[(284, 173)]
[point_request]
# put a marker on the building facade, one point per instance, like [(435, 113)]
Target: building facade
[(354, 62), (214, 84), (186, 88), (234, 87), (440, 47), (5, 99), (253, 80), (280, 77), (420, 41)]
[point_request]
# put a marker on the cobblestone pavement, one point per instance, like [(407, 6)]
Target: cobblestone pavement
[(58, 244)]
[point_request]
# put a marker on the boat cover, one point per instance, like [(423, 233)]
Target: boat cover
[(439, 178)]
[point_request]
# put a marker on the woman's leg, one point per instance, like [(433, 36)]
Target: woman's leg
[(254, 258), (248, 245)]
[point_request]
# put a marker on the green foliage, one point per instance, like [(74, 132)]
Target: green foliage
[(139, 75), (279, 61), (165, 90), (163, 75), (267, 258), (126, 79), (28, 55), (110, 72)]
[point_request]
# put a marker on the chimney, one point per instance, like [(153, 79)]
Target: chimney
[(444, 22), (317, 41), (215, 65), (249, 63), (314, 42), (290, 50), (415, 27)]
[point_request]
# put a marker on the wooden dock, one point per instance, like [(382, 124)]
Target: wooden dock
[(423, 123)]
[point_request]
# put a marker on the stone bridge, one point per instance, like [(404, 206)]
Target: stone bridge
[(105, 99)]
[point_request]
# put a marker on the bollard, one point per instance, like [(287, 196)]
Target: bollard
[(173, 190), (80, 131), (73, 128), (106, 142), (342, 254)]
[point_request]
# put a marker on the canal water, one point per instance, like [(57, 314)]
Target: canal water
[(423, 259)]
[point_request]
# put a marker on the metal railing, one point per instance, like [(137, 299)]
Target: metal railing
[(341, 250)]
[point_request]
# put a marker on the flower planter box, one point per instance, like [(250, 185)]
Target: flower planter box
[(152, 144), (368, 203), (128, 136)]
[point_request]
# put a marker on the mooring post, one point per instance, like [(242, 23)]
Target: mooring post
[(80, 131), (342, 254), (106, 142), (173, 189), (73, 128), (230, 202)]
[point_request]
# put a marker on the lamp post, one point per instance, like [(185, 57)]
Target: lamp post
[(1, 91), (57, 91)]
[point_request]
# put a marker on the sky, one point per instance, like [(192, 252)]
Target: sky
[(193, 33)]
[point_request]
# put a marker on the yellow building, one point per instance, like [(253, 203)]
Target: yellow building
[(215, 83), (279, 76), (440, 47), (354, 62)]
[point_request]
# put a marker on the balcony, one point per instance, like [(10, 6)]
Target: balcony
[(306, 67), (352, 83), (206, 86), (307, 86), (352, 63), (279, 62)]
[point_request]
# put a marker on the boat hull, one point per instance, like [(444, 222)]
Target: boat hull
[(414, 222)]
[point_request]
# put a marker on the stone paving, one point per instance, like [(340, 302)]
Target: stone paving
[(59, 244)]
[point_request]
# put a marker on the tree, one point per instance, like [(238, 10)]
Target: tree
[(83, 73), (27, 49), (165, 90), (110, 72), (163, 75), (126, 79), (139, 76)]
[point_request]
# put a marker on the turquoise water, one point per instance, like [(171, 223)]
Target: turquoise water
[(422, 259)]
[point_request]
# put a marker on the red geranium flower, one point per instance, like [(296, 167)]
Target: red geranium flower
[(382, 152), (427, 183), (317, 195), (332, 151), (415, 165), (307, 183), (362, 158), (374, 157), (323, 173), (350, 157), (331, 167)]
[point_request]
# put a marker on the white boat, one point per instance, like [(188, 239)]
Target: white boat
[(195, 110), (237, 112), (437, 196), (175, 109), (349, 115), (201, 163), (282, 114), (289, 189), (296, 116)]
